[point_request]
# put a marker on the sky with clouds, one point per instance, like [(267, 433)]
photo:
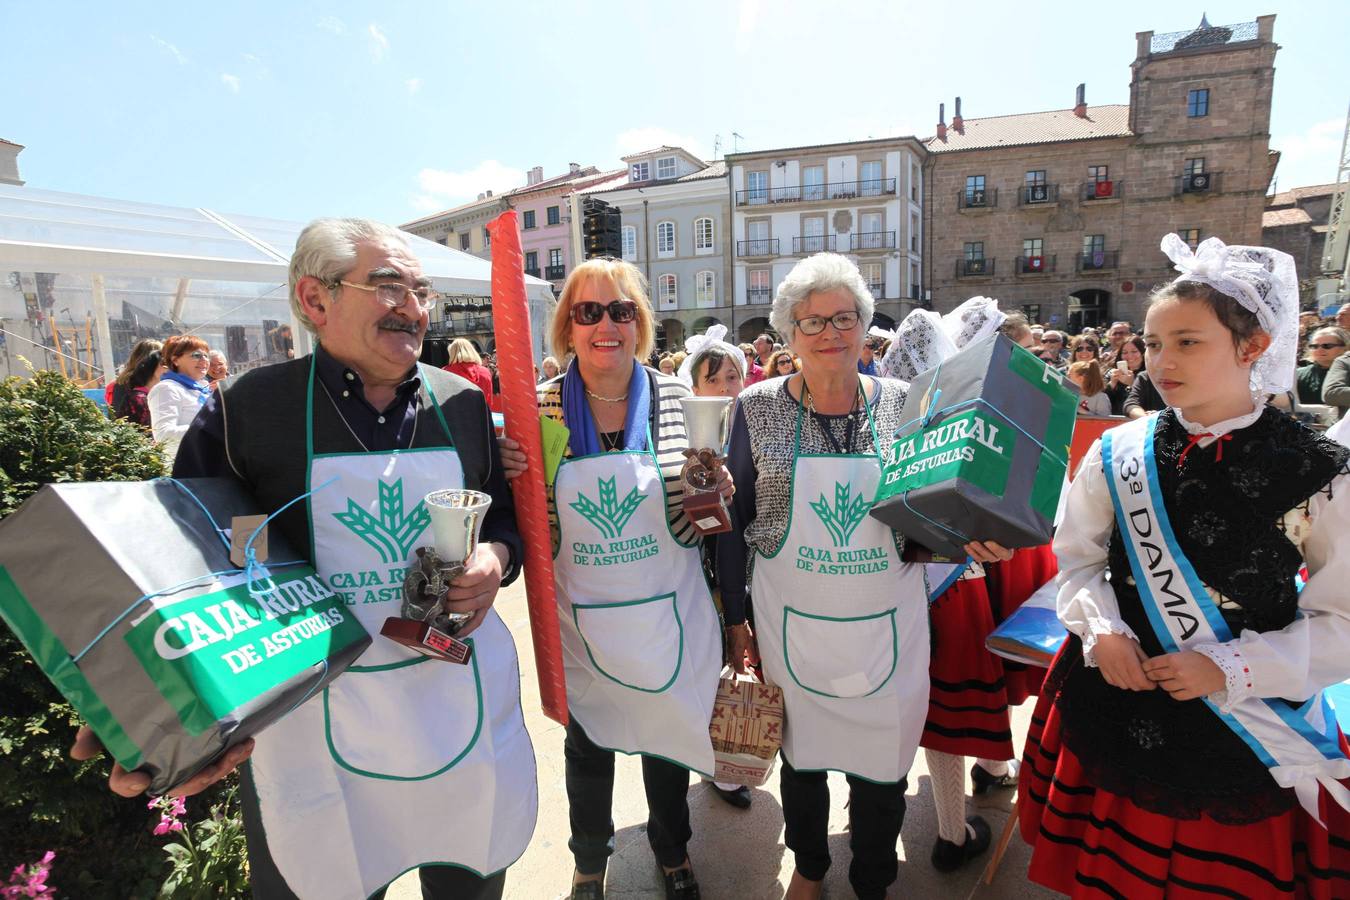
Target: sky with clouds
[(301, 109)]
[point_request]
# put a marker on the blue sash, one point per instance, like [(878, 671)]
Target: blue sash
[(1300, 745)]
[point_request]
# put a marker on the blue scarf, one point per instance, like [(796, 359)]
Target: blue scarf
[(203, 388), (582, 438)]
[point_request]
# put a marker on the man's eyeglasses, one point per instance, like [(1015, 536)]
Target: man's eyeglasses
[(1329, 346), (394, 294), (842, 321), (589, 312)]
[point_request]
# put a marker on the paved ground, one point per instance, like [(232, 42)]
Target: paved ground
[(736, 854)]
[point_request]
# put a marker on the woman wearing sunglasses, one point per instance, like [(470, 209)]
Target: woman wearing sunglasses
[(181, 391), (842, 622), (1324, 347), (781, 363), (640, 635)]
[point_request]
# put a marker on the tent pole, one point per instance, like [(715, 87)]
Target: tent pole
[(104, 333), (180, 301)]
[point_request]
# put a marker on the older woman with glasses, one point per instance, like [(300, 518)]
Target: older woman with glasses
[(641, 644), (180, 392), (842, 622)]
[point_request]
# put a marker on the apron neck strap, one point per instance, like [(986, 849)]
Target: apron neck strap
[(801, 413)]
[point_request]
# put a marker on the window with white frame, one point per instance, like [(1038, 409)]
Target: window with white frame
[(870, 176), (641, 171), (666, 294), (665, 240), (874, 274), (757, 187), (813, 182), (629, 242), (705, 289), (704, 235), (758, 288), (665, 167)]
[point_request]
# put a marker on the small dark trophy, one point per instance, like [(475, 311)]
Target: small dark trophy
[(425, 626), (705, 422)]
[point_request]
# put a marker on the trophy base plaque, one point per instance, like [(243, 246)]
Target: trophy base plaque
[(708, 512), (426, 639)]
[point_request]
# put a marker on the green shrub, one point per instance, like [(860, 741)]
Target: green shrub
[(50, 432)]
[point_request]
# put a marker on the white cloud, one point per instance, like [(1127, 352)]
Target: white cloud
[(333, 24), (174, 51), (414, 85), (440, 188), (1310, 157), (379, 44), (747, 17), (635, 140), (424, 204), (230, 81)]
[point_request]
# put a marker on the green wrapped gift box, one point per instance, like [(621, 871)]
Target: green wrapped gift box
[(981, 453), (125, 595)]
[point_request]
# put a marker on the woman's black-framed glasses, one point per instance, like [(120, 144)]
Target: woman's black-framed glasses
[(589, 312), (783, 362), (842, 321)]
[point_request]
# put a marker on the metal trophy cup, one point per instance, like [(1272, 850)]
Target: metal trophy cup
[(706, 422), (425, 626)]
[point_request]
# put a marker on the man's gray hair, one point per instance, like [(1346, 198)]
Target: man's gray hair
[(822, 272), (326, 249)]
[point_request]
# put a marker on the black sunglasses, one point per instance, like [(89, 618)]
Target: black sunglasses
[(589, 312), (1331, 346)]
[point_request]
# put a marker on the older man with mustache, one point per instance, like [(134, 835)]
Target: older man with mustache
[(404, 762)]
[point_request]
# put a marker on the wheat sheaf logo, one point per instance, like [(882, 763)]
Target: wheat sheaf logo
[(395, 532), (846, 515), (609, 515)]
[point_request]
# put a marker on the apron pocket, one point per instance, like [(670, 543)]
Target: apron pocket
[(407, 721), (840, 657), (636, 643)]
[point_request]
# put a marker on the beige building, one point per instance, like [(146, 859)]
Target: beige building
[(463, 227), (1295, 221), (9, 162), (1060, 213)]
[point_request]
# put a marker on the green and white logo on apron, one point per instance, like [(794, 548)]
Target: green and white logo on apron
[(845, 516), (609, 516), (395, 532)]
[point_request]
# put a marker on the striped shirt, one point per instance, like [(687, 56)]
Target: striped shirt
[(670, 440)]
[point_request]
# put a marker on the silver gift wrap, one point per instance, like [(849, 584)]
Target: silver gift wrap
[(168, 682)]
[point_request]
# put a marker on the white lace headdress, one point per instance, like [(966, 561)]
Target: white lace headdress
[(1265, 282), (696, 345), (925, 339)]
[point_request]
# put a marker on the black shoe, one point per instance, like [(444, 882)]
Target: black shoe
[(588, 890), (948, 857), (680, 884), (738, 797), (982, 781)]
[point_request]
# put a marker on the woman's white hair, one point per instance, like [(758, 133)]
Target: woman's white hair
[(326, 249), (822, 272)]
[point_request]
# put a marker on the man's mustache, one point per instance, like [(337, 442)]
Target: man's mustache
[(396, 323)]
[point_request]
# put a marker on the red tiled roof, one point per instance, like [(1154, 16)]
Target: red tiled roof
[(1035, 128), (1279, 218)]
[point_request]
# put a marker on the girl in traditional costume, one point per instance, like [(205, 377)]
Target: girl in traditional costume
[(1182, 745)]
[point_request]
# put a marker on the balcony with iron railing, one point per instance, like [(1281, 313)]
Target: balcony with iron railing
[(810, 193), (979, 267), (1038, 195), (555, 273), (1098, 260), (1093, 191), (816, 243), (915, 291), (977, 198), (757, 296), (1035, 265), (758, 247), (878, 289), (534, 272), (1198, 183), (873, 240)]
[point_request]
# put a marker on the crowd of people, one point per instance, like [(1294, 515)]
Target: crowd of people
[(1179, 743)]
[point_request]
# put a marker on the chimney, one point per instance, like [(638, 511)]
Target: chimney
[(482, 196), (574, 168), (534, 176), (1080, 102), (957, 122), (942, 122), (488, 195)]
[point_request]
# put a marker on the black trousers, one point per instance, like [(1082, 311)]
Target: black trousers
[(875, 814), (590, 797), (267, 883)]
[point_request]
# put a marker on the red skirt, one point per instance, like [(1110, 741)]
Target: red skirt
[(1088, 842), (1010, 584), (967, 703)]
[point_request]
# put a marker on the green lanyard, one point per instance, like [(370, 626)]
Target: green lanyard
[(848, 438)]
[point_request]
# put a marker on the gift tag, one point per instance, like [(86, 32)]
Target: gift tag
[(241, 528), (554, 438)]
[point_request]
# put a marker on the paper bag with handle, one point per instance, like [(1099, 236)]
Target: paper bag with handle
[(746, 729)]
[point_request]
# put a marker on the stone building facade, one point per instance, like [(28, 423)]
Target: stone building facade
[(462, 228), (1060, 213), (9, 162), (1295, 221)]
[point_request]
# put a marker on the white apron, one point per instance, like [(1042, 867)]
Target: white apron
[(641, 648), (842, 624), (405, 760)]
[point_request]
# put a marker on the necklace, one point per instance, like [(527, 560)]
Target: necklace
[(595, 396), (826, 426), (612, 440), (362, 444)]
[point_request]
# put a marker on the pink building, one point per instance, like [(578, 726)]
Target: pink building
[(544, 209)]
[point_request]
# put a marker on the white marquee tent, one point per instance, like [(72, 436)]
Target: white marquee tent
[(72, 258)]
